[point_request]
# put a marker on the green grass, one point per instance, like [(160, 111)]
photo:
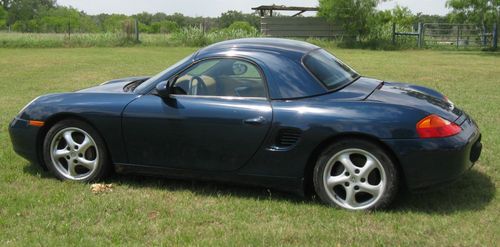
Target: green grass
[(36, 209)]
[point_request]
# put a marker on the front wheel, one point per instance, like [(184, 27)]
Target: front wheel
[(73, 150), (355, 174)]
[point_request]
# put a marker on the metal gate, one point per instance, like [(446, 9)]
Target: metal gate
[(458, 35)]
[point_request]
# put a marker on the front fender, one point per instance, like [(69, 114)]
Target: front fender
[(101, 110)]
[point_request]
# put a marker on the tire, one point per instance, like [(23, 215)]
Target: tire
[(73, 150), (356, 174)]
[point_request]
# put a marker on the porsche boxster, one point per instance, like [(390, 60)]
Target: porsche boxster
[(267, 112)]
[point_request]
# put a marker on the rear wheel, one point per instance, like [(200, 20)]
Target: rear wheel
[(355, 174), (73, 150)]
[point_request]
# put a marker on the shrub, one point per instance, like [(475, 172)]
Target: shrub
[(242, 25), (164, 27), (190, 36), (193, 36)]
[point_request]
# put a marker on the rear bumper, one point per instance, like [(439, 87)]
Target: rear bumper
[(24, 139), (428, 162)]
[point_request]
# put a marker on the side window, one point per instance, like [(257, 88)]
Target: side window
[(221, 77)]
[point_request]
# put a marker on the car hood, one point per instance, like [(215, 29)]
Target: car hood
[(122, 85), (419, 97)]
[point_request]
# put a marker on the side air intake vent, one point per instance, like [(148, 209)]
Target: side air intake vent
[(288, 137)]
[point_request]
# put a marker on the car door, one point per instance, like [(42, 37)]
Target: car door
[(216, 118)]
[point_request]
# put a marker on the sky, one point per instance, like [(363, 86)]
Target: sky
[(213, 8)]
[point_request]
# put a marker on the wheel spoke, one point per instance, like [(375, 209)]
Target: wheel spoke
[(332, 181), (373, 190), (369, 166), (85, 145), (345, 159), (71, 169), (89, 164), (69, 139), (350, 198), (60, 153)]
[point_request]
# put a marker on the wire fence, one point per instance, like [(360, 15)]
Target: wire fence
[(458, 35)]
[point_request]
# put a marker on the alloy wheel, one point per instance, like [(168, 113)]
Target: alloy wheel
[(354, 179), (74, 153)]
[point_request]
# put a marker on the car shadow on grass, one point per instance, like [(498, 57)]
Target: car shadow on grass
[(473, 192)]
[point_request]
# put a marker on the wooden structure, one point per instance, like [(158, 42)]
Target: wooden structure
[(295, 25), (264, 9)]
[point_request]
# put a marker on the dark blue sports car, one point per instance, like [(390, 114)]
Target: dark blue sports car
[(267, 112)]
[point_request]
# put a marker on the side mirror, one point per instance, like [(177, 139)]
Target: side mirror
[(239, 68), (163, 89)]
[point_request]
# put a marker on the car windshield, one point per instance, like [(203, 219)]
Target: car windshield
[(329, 70), (147, 83)]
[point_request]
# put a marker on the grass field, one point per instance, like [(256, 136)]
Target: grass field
[(36, 209)]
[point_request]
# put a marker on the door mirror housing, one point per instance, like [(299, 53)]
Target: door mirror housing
[(163, 89)]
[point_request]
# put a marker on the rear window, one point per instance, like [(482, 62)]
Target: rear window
[(328, 69)]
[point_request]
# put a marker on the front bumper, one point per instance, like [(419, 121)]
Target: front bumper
[(428, 162), (24, 139)]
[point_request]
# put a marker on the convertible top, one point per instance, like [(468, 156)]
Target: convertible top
[(262, 44)]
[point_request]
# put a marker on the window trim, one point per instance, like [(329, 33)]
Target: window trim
[(261, 72), (318, 80)]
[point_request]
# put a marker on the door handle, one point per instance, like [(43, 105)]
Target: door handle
[(255, 121)]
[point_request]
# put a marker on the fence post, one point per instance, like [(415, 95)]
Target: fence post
[(136, 29), (420, 35), (393, 33), (495, 36), (458, 34), (69, 28)]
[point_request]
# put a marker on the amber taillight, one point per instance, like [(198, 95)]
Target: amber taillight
[(433, 126)]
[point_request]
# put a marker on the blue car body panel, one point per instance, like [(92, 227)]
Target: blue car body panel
[(194, 133), (269, 141)]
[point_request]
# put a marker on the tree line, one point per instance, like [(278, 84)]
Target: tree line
[(360, 20), (363, 22), (46, 16)]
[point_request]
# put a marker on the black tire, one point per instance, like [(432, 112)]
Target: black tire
[(97, 153), (332, 180)]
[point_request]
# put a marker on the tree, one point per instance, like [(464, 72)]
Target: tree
[(403, 17), (353, 15), (3, 17), (158, 17), (60, 19), (114, 23), (144, 17), (164, 27), (5, 4), (432, 18), (231, 16), (481, 12), (26, 10), (178, 18)]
